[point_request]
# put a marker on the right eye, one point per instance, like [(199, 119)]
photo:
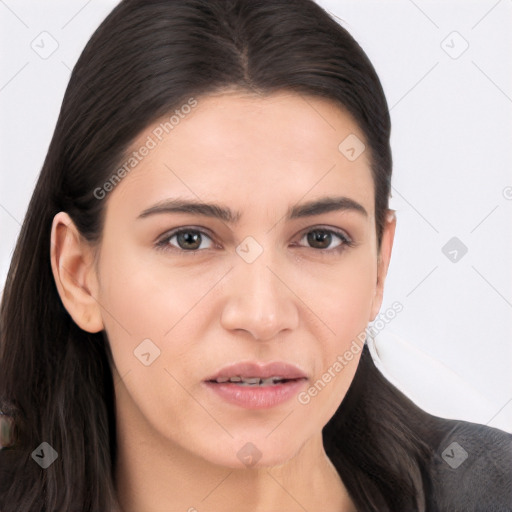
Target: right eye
[(186, 240)]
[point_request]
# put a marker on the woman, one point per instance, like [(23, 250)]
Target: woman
[(182, 326)]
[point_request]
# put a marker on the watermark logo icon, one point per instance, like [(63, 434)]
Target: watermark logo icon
[(146, 352), (249, 454), (454, 249), (45, 455), (454, 455), (45, 45), (351, 147), (454, 45), (249, 249)]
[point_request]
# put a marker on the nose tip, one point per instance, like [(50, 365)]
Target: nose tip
[(259, 302)]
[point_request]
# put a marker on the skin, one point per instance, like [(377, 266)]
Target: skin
[(297, 302)]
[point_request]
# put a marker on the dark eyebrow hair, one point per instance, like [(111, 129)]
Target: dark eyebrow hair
[(316, 207)]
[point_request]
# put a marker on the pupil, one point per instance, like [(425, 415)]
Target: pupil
[(187, 237), (319, 236)]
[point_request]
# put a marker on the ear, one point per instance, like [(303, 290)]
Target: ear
[(384, 257), (73, 269)]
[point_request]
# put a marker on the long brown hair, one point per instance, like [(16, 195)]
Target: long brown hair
[(145, 60)]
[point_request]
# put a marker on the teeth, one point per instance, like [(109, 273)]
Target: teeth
[(270, 380), (251, 381)]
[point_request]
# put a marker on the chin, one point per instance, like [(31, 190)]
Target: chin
[(251, 452)]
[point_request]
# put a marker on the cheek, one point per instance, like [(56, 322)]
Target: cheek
[(342, 295), (151, 318), (172, 305), (343, 302)]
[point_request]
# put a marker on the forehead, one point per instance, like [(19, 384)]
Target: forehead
[(268, 150)]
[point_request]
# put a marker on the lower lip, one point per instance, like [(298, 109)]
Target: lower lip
[(257, 397)]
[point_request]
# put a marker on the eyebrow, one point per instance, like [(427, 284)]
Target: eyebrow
[(309, 209)]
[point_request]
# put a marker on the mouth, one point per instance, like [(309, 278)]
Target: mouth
[(253, 381), (254, 373), (254, 385)]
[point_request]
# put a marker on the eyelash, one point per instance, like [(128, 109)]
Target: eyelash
[(163, 244)]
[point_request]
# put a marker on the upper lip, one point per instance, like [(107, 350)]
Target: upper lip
[(262, 370)]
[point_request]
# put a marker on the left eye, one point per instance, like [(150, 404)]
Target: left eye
[(324, 238)]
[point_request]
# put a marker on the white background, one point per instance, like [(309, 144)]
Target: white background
[(451, 141)]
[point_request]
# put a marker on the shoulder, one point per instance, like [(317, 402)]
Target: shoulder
[(471, 467)]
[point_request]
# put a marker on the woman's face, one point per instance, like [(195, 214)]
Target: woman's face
[(260, 287)]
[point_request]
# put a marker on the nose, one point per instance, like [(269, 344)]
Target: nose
[(260, 300)]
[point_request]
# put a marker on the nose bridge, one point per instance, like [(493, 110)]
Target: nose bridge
[(259, 301)]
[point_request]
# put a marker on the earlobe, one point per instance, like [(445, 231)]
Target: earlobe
[(384, 258), (74, 273)]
